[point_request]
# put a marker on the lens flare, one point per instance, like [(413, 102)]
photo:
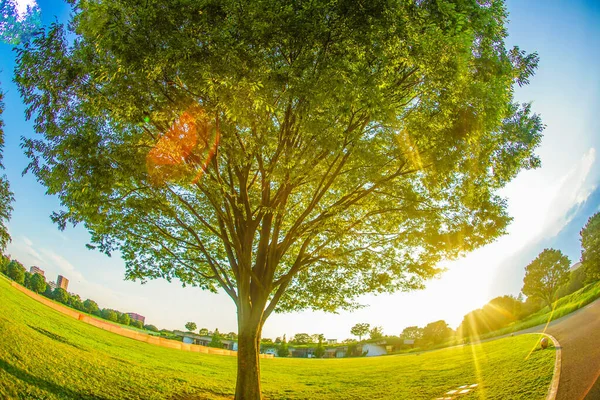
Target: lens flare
[(185, 150)]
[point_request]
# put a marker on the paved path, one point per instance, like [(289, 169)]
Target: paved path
[(579, 337)]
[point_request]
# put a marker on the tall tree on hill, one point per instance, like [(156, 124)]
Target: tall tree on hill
[(376, 332), (191, 326), (590, 247), (6, 196), (360, 330), (296, 155), (436, 332), (203, 332), (545, 275), (412, 333)]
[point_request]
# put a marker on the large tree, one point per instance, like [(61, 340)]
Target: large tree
[(545, 275), (37, 283), (436, 332), (360, 330), (16, 271), (590, 247), (412, 333), (294, 154), (191, 326)]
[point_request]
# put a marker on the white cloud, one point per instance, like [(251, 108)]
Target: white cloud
[(27, 241), (22, 6)]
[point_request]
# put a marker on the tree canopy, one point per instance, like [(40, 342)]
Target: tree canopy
[(191, 326), (6, 196), (90, 306), (14, 27), (16, 271), (437, 332), (376, 332), (545, 275), (215, 340), (360, 330), (496, 314), (62, 296), (37, 283), (590, 247), (412, 333), (295, 154), (301, 338)]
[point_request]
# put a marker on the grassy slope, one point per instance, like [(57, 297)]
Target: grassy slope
[(46, 355), (563, 306)]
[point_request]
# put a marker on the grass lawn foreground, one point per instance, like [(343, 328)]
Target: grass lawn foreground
[(46, 355)]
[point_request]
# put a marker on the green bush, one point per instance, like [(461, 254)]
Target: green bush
[(215, 341), (90, 306), (60, 295), (109, 315), (124, 319), (16, 272), (37, 283), (136, 324)]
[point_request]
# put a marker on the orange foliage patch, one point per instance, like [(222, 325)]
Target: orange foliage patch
[(191, 141)]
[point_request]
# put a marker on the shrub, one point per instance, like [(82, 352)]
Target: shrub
[(215, 341), (109, 315), (60, 295), (124, 319), (16, 272), (137, 324), (37, 283), (90, 306)]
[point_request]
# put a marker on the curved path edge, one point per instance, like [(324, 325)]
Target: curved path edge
[(553, 390)]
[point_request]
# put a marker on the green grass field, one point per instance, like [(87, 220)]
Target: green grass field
[(46, 355)]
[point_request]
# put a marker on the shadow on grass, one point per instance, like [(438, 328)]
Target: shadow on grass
[(56, 337), (45, 385)]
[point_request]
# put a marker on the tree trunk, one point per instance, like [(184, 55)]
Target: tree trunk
[(247, 386)]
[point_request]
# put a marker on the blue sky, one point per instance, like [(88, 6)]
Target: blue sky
[(549, 205)]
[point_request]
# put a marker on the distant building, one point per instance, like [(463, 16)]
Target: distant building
[(271, 350), (136, 317), (62, 282), (36, 270), (331, 341), (373, 349), (51, 285), (575, 266), (192, 338)]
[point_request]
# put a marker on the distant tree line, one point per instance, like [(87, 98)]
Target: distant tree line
[(547, 279), (37, 283)]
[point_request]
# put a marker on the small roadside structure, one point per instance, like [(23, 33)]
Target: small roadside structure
[(374, 349), (270, 350)]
